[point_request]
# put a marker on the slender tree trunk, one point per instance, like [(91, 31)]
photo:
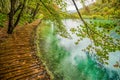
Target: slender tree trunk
[(20, 13), (79, 12), (11, 20), (86, 25), (12, 24), (35, 11)]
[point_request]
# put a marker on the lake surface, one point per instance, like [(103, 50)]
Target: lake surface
[(67, 61)]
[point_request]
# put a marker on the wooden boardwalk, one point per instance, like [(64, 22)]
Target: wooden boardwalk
[(17, 56)]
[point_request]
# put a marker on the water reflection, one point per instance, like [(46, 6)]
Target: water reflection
[(67, 61), (80, 65)]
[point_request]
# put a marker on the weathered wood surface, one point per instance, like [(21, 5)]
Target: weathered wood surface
[(17, 55)]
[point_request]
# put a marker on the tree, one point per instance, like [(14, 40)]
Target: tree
[(13, 10), (81, 18), (28, 9), (35, 11)]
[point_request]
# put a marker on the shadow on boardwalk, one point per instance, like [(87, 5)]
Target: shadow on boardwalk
[(17, 55)]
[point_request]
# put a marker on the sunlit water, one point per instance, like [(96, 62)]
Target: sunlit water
[(79, 65)]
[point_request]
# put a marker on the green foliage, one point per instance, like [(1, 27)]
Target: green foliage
[(73, 30), (105, 9), (93, 17), (3, 8), (98, 10), (100, 33), (48, 8), (2, 19)]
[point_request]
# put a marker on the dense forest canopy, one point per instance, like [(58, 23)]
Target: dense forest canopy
[(21, 11), (16, 12)]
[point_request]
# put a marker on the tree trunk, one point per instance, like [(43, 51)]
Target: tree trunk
[(35, 11), (12, 24), (79, 12), (87, 27), (20, 13), (11, 20), (10, 29)]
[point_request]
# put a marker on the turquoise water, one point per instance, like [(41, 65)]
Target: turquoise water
[(67, 61)]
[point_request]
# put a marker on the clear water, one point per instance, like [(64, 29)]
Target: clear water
[(67, 61)]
